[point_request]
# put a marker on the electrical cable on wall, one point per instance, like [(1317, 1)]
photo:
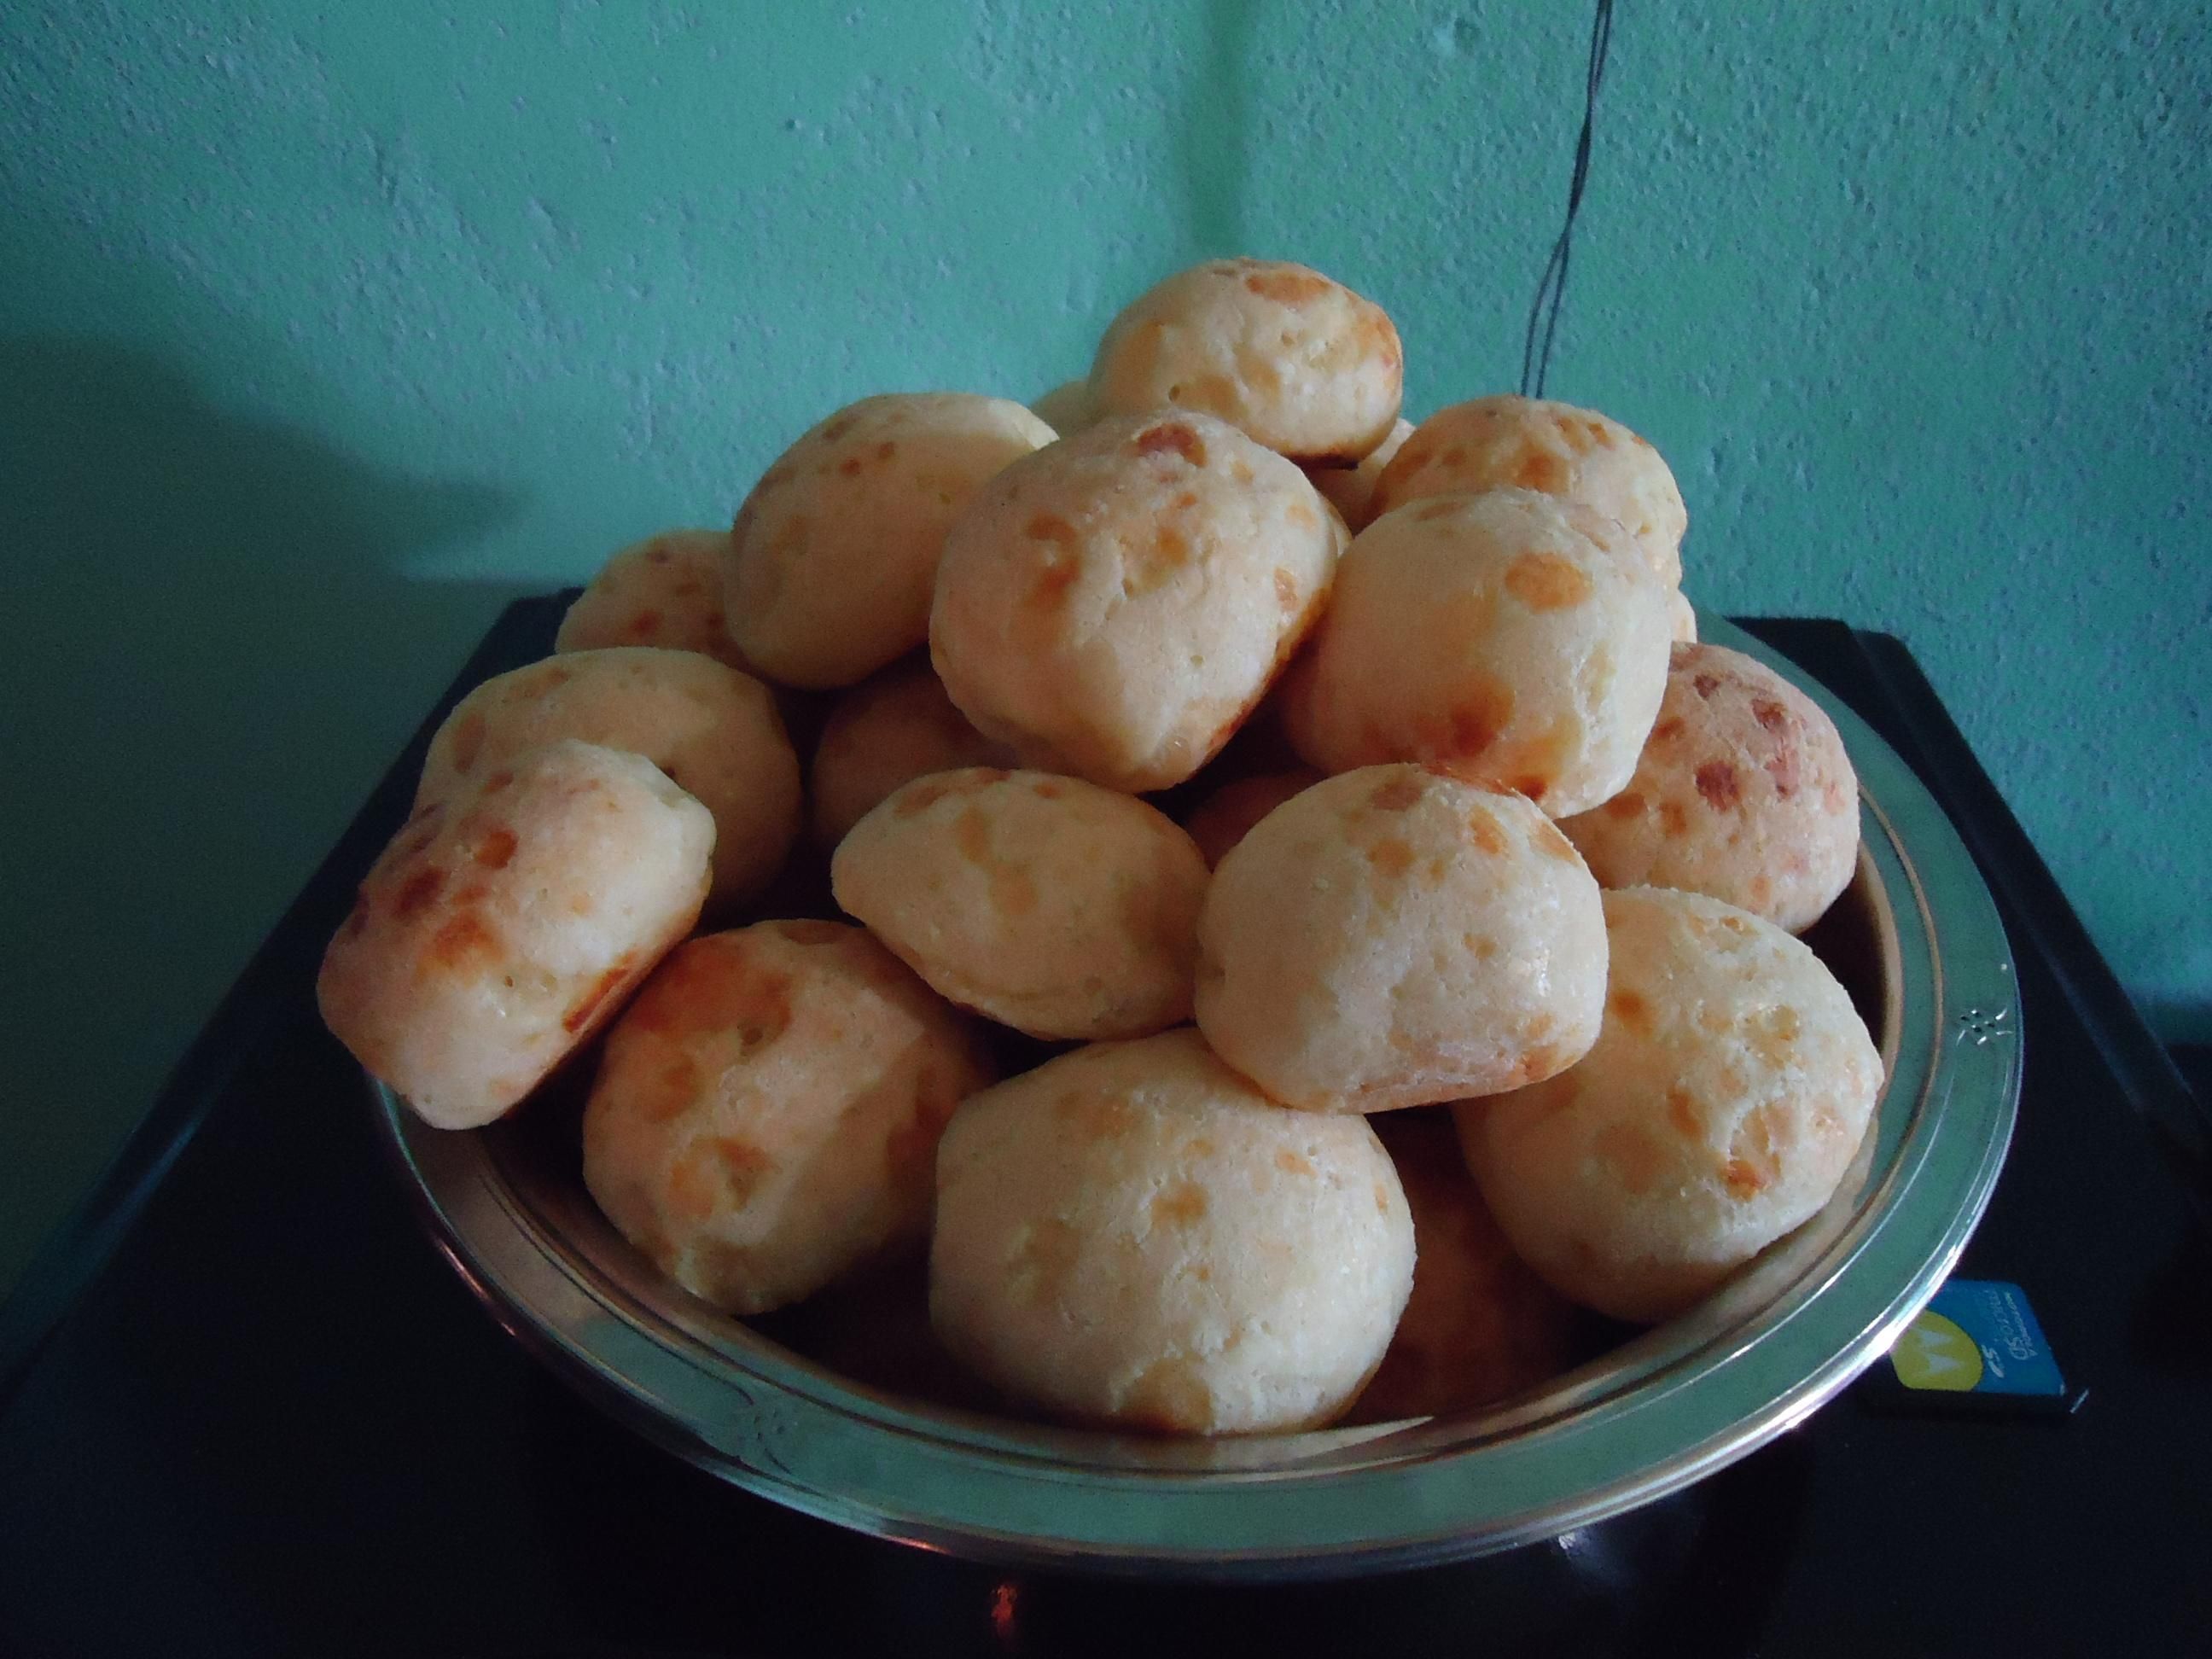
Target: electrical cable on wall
[(1552, 288)]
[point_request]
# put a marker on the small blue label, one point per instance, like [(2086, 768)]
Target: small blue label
[(1996, 1318)]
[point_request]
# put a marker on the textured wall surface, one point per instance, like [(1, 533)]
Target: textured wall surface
[(323, 329)]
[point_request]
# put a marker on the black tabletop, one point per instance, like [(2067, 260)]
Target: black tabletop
[(246, 1407)]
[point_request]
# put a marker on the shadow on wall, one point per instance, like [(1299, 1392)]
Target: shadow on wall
[(213, 650), (1212, 133)]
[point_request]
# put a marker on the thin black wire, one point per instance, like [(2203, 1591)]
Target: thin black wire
[(1551, 288)]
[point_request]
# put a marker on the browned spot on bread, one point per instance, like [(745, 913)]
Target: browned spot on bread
[(1540, 1061), (925, 793), (670, 1093), (1043, 1261), (1769, 713), (418, 892), (645, 624), (744, 1167), (462, 941), (1169, 1397), (1172, 436), (690, 588), (1483, 946), (657, 555), (1547, 581), (1743, 1178), (1705, 684), (1381, 1198), (1291, 1162), (1098, 1116), (971, 834), (1682, 1113), (1055, 576), (1540, 469), (1286, 590), (1762, 891), (1633, 1012), (1300, 515), (1179, 1205), (1050, 528), (468, 740), (1012, 892), (357, 918), (1239, 470), (1048, 789), (1668, 730), (695, 1188), (885, 450), (1531, 784), (1552, 843), (1626, 805), (1783, 766), (1754, 1158), (495, 849), (1391, 856), (1483, 829), (1672, 820), (1718, 782), (836, 428), (850, 466), (1773, 1034), (582, 1011), (1442, 508), (1453, 458), (1288, 286), (1473, 723), (1395, 796)]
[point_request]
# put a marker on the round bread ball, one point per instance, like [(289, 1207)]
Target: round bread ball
[(1066, 408), (1350, 490), (1299, 362), (1556, 449), (1226, 816), (891, 730), (1480, 1327), (1512, 635), (1744, 793), (1055, 907), (1114, 606), (766, 1116), (1718, 1110), (1134, 1235), (715, 731), (665, 591), (508, 920), (1396, 936), (834, 553), (1682, 618)]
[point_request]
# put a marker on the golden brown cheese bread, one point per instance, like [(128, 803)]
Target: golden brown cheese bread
[(1226, 816), (888, 730), (1114, 606), (1720, 1107), (1053, 906), (664, 591), (1350, 490), (713, 730), (1396, 937), (1480, 1326), (1298, 361), (1066, 408), (1744, 793), (1514, 635), (766, 1114), (833, 555), (1555, 449), (1132, 1235), (509, 920)]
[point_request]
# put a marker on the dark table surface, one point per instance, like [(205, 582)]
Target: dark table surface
[(246, 1407)]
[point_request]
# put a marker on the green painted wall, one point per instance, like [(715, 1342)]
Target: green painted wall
[(325, 329)]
